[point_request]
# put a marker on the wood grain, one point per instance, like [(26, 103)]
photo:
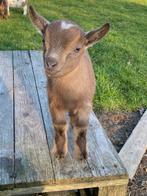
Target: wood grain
[(135, 147), (103, 158), (64, 187), (6, 120), (61, 193), (113, 191), (32, 160)]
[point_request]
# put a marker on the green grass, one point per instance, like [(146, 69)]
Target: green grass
[(119, 60)]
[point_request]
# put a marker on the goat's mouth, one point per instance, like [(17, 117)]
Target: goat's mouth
[(51, 72)]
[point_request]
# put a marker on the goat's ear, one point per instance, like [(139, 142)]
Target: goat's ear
[(94, 36), (38, 21)]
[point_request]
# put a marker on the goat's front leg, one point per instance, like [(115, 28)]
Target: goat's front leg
[(80, 125), (60, 127), (8, 10), (25, 10)]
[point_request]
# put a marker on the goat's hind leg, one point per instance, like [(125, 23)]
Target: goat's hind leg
[(6, 14), (80, 147), (60, 127), (60, 146)]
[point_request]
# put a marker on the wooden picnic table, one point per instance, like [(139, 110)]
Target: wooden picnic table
[(26, 138)]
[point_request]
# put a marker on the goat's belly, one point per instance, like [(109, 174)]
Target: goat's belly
[(17, 3)]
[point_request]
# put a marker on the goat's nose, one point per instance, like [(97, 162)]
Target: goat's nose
[(51, 62)]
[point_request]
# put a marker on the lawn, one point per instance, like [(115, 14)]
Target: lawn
[(119, 60)]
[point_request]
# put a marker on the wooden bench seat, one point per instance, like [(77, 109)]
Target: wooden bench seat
[(26, 138)]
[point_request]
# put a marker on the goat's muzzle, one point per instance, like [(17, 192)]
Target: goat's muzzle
[(50, 63)]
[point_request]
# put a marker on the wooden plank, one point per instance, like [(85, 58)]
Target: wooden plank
[(63, 193), (6, 120), (113, 191), (66, 186), (66, 169), (32, 161), (135, 147), (103, 158)]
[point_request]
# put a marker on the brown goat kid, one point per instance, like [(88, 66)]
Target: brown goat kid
[(71, 80), (3, 9)]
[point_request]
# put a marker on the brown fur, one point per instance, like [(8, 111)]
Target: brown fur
[(80, 141), (60, 148), (3, 9), (71, 81)]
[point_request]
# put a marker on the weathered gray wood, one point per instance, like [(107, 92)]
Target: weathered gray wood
[(135, 147), (65, 186), (67, 169), (62, 193), (32, 160), (6, 120), (103, 158), (113, 191)]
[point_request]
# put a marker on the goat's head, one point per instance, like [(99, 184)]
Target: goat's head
[(64, 43)]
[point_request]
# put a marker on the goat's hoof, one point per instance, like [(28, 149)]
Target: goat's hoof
[(80, 156), (60, 155)]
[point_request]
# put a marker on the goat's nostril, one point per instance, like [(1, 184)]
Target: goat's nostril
[(54, 65), (51, 65), (51, 62)]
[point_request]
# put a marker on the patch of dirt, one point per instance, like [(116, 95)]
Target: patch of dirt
[(119, 126)]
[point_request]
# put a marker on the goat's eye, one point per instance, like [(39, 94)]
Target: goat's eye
[(77, 50)]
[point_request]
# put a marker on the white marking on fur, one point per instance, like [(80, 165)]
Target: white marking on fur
[(16, 3), (66, 25)]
